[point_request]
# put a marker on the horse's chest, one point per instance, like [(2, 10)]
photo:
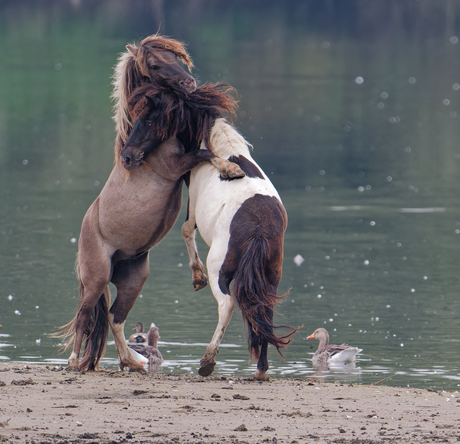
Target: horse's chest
[(139, 213)]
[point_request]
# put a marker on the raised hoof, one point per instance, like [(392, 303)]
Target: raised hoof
[(206, 368), (198, 285), (236, 172), (261, 376)]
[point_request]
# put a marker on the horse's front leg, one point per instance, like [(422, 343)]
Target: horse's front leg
[(199, 278), (129, 278), (227, 169), (226, 305), (184, 162)]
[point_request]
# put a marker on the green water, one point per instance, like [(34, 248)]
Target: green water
[(352, 111)]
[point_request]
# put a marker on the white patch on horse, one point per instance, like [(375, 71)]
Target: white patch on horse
[(205, 185)]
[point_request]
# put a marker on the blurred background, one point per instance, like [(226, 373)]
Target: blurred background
[(353, 111)]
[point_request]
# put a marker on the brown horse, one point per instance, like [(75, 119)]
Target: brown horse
[(243, 221), (133, 212), (154, 61)]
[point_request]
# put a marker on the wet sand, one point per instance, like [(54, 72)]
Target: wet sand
[(46, 404)]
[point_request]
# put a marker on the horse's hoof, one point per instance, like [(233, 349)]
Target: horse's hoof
[(72, 369), (206, 368), (236, 172), (198, 285), (261, 376)]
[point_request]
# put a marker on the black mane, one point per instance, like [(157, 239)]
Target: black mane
[(190, 117)]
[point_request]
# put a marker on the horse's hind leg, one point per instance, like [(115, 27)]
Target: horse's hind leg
[(262, 363), (129, 278), (226, 304), (199, 278), (93, 287)]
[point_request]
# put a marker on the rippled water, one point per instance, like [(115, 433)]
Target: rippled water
[(358, 132), (370, 276)]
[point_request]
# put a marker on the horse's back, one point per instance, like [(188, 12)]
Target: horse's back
[(217, 201)]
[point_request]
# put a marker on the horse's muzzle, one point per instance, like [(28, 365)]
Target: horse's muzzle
[(129, 164), (189, 85)]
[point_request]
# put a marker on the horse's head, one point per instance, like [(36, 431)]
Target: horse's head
[(161, 113), (143, 138), (157, 57), (156, 61)]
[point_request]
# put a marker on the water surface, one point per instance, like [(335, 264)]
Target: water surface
[(356, 126)]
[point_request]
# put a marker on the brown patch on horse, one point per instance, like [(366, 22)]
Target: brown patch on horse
[(247, 166), (254, 266), (187, 116)]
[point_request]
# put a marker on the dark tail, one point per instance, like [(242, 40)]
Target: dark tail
[(257, 298), (96, 334)]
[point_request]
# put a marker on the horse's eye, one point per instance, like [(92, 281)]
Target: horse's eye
[(155, 67), (148, 123)]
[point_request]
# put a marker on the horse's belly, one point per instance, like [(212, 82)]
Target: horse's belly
[(132, 235)]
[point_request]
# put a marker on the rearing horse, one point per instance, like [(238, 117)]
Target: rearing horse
[(243, 221), (134, 210)]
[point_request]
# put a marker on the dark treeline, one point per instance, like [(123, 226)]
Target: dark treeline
[(371, 19)]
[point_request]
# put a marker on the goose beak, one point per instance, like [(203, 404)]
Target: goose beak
[(312, 336)]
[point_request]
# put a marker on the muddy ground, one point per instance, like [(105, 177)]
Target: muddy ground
[(45, 404)]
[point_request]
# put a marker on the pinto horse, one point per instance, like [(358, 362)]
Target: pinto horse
[(134, 210), (243, 221)]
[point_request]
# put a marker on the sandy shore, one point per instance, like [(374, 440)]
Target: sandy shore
[(45, 404)]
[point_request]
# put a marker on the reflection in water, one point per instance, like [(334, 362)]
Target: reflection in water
[(4, 344), (352, 108), (341, 372)]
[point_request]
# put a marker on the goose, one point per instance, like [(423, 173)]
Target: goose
[(331, 354), (148, 353), (139, 337)]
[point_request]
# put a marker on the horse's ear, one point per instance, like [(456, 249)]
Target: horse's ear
[(132, 49)]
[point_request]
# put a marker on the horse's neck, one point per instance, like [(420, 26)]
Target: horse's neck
[(160, 165), (226, 141), (163, 160), (190, 143)]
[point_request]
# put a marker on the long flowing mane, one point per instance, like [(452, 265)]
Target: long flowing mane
[(189, 115), (132, 71)]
